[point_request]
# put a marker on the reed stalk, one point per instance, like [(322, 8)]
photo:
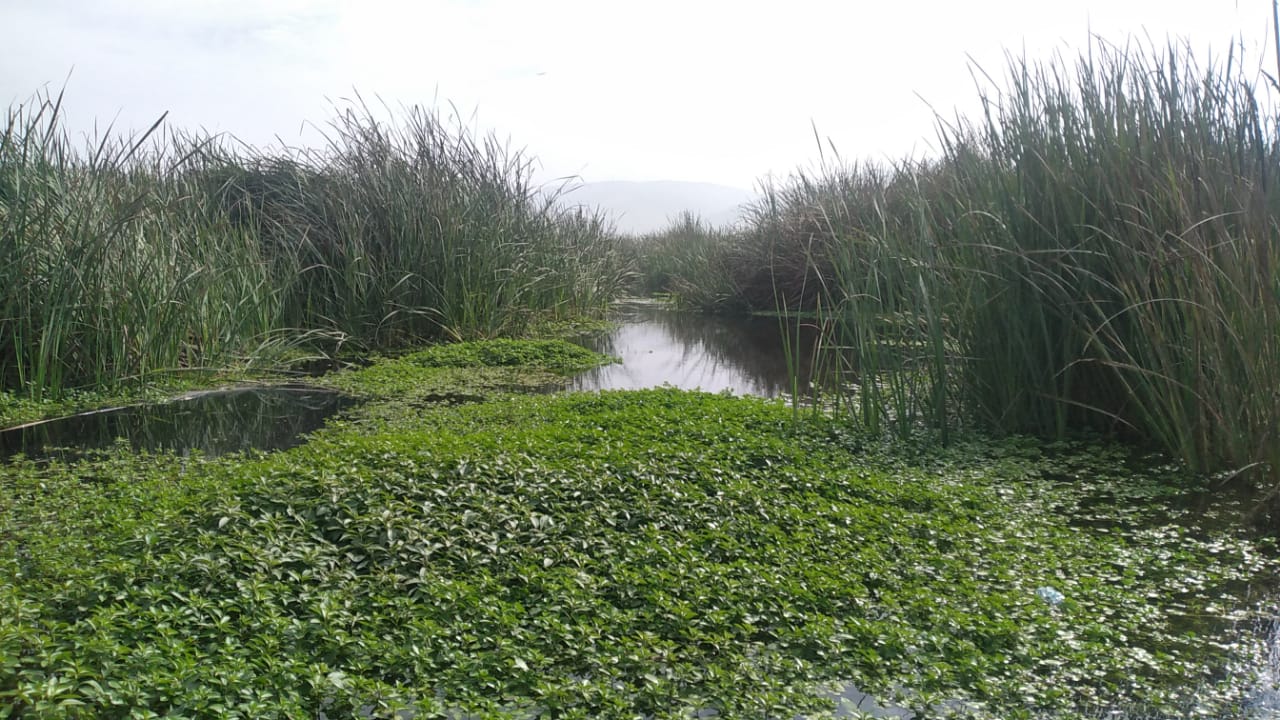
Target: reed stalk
[(130, 256)]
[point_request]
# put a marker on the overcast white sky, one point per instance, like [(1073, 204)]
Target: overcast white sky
[(686, 90)]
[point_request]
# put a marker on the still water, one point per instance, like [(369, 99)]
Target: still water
[(214, 423), (740, 355)]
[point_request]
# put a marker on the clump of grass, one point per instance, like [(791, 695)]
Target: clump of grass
[(1121, 215), (698, 266), (750, 268), (408, 230), (110, 266), (160, 252), (1099, 251), (557, 355)]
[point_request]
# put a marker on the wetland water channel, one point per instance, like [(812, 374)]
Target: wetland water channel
[(656, 347), (741, 355), (216, 422)]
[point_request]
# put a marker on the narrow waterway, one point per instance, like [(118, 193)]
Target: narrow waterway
[(739, 355)]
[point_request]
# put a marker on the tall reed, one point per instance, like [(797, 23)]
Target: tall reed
[(132, 255), (109, 266), (696, 265), (1099, 250), (1121, 215)]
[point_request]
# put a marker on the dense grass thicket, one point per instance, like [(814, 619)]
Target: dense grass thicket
[(124, 256), (609, 555), (699, 267), (1099, 250)]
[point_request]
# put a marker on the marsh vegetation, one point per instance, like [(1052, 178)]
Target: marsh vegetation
[(1024, 488), (1099, 251), (128, 257), (607, 554)]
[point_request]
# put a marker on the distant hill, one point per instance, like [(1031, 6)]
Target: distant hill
[(643, 207)]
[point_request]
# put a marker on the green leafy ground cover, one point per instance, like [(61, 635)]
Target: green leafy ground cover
[(622, 554), (556, 355), (527, 365)]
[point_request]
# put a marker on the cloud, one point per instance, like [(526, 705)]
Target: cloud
[(224, 66), (708, 90)]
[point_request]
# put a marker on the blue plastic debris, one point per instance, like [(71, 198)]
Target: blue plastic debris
[(1050, 595)]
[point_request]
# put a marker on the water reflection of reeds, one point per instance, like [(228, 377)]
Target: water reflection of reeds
[(744, 355), (214, 423)]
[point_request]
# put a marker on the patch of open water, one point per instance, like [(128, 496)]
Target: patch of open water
[(740, 355), (214, 422)]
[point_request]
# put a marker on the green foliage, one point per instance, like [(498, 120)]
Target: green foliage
[(556, 355), (19, 409), (599, 555), (1098, 251), (411, 230), (699, 267), (109, 267), (160, 253), (463, 372)]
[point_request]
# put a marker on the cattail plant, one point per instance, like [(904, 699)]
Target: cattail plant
[(164, 251)]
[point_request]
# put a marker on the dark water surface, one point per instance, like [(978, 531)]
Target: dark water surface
[(741, 355), (215, 423)]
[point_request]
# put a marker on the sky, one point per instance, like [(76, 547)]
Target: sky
[(694, 90)]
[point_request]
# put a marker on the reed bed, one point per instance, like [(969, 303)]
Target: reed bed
[(1114, 226), (1099, 250), (698, 266), (755, 267), (123, 256), (109, 267)]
